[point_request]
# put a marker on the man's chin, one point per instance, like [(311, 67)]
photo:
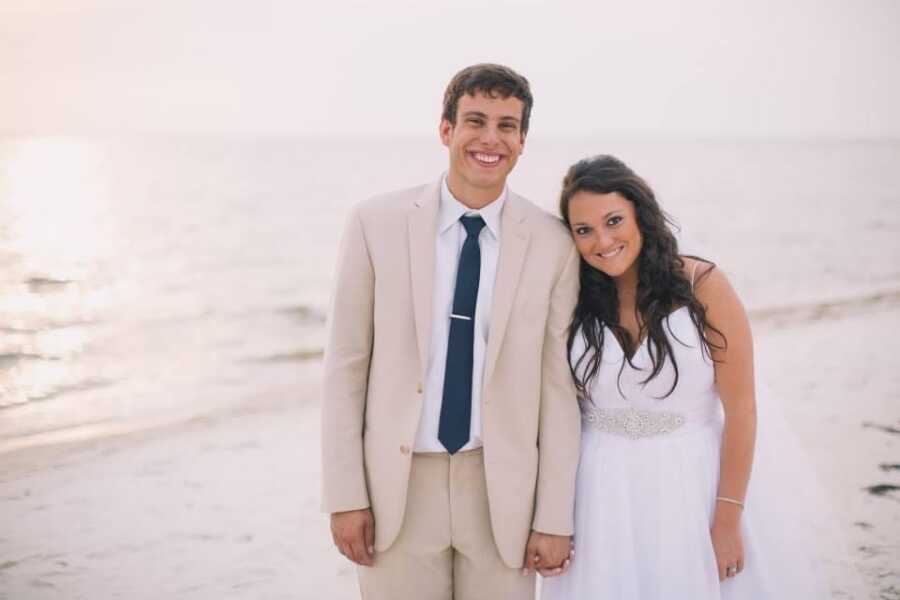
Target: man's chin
[(489, 180)]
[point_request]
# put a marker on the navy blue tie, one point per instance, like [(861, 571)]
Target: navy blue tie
[(456, 405)]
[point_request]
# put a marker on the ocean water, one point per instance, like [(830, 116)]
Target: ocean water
[(171, 277)]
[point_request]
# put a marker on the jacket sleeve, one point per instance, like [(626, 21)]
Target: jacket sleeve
[(559, 437), (348, 351)]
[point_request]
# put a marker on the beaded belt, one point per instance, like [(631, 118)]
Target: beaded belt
[(632, 422)]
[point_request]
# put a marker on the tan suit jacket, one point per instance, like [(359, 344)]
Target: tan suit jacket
[(377, 352)]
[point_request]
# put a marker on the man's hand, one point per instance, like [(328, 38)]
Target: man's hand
[(353, 532), (548, 554)]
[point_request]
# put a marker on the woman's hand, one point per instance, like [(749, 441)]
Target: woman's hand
[(727, 543)]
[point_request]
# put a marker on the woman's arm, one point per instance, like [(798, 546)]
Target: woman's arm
[(735, 383)]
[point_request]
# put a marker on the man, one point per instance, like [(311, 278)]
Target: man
[(450, 427)]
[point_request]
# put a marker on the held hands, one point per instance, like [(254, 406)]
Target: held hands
[(353, 533), (727, 543), (549, 555)]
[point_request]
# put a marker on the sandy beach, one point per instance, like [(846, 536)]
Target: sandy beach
[(226, 506)]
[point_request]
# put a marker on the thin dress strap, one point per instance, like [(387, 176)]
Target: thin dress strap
[(694, 272)]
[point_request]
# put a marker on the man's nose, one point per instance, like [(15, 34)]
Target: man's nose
[(489, 134)]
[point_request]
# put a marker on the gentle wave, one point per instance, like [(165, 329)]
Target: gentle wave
[(829, 309), (303, 313), (41, 325), (10, 359), (803, 313), (13, 330), (92, 383), (39, 285)]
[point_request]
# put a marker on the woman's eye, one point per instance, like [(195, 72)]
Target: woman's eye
[(613, 221), (581, 230)]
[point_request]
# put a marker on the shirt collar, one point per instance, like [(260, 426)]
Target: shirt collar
[(451, 210)]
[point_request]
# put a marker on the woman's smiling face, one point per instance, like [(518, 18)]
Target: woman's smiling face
[(605, 230)]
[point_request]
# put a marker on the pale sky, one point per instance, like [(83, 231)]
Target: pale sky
[(696, 69)]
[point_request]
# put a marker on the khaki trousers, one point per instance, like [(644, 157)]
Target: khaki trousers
[(445, 549)]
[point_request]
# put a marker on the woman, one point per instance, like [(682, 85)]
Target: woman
[(662, 355)]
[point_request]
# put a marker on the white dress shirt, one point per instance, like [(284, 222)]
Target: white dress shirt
[(450, 238)]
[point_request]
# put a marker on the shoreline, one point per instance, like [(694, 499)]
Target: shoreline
[(90, 433), (762, 320)]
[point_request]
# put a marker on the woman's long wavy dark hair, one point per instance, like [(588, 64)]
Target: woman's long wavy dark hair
[(662, 285)]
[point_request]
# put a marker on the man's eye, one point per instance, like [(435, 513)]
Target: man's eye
[(475, 121)]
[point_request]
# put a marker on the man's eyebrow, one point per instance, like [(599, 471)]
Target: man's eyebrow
[(478, 113)]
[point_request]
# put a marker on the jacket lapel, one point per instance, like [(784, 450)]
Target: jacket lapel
[(513, 246), (422, 224)]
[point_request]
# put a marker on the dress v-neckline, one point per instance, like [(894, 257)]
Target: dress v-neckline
[(643, 340)]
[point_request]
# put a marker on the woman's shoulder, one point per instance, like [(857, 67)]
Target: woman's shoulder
[(697, 270), (710, 284)]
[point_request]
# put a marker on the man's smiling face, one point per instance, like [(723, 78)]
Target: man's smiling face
[(484, 143)]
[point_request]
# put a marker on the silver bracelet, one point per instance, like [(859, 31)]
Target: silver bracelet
[(730, 500)]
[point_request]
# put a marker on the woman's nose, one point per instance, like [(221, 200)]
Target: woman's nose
[(602, 240)]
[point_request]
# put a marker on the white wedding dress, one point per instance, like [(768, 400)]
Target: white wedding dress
[(646, 490)]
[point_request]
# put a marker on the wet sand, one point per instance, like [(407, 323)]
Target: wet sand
[(837, 374), (226, 506)]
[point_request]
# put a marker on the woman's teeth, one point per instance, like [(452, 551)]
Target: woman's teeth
[(612, 253)]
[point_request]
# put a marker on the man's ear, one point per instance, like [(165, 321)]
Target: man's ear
[(445, 129)]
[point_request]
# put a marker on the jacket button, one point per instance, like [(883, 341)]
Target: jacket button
[(404, 449), (419, 388)]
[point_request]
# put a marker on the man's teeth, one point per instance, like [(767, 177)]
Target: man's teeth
[(487, 158), (612, 252)]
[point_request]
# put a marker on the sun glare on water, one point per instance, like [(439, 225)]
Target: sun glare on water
[(55, 256)]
